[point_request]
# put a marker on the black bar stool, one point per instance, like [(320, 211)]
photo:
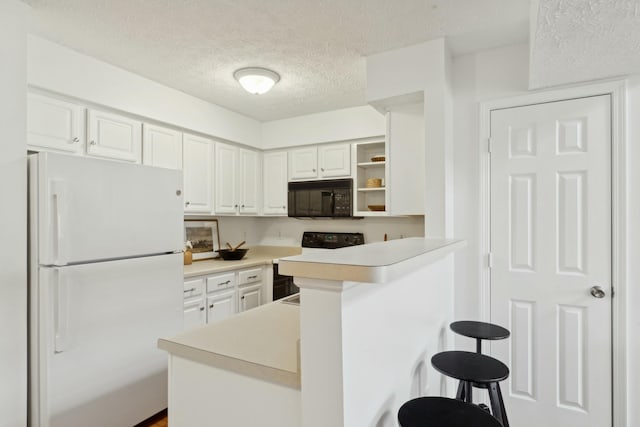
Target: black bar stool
[(443, 412), (477, 370), (480, 331)]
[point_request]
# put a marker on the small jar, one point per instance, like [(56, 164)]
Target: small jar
[(188, 257)]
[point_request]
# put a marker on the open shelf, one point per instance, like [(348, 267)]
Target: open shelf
[(372, 189), (366, 165)]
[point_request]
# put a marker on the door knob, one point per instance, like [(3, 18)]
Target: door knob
[(597, 292)]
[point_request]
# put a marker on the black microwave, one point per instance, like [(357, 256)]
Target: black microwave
[(322, 199)]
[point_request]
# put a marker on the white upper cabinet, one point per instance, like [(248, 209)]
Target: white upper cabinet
[(198, 181), (238, 173), (55, 125), (226, 178), (275, 183), (303, 163), (317, 162), (161, 147), (334, 160), (113, 136), (249, 179)]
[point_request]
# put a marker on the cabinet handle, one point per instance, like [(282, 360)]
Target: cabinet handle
[(322, 169), (187, 203), (253, 277), (235, 206), (92, 142), (242, 297), (201, 308), (283, 207), (313, 170), (189, 290), (211, 306), (242, 206), (224, 283), (76, 139)]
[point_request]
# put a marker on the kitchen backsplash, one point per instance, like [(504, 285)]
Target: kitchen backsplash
[(284, 231)]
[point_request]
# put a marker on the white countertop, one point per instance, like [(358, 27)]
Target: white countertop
[(374, 263), (257, 255), (262, 343)]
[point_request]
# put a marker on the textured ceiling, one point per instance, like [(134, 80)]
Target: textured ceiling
[(317, 46), (580, 40)]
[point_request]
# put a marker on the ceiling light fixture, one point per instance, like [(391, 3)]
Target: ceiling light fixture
[(256, 80)]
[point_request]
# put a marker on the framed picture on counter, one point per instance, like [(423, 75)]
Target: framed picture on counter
[(204, 237)]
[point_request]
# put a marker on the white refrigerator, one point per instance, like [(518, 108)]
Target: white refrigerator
[(105, 283)]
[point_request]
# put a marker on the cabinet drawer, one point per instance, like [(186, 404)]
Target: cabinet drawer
[(221, 281), (249, 276), (193, 288)]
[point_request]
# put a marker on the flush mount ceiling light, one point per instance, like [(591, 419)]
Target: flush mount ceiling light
[(256, 80)]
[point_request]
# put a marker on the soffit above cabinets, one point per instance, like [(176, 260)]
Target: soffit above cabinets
[(318, 47)]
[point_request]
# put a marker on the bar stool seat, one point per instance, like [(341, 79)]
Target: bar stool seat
[(443, 412), (478, 370), (480, 331)]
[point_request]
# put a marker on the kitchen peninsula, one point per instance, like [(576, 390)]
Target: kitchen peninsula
[(356, 348)]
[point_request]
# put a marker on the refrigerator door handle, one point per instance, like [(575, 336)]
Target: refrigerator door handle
[(59, 193), (60, 311)]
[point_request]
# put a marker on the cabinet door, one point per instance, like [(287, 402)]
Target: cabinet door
[(249, 297), (113, 136), (226, 178), (249, 178), (303, 163), (275, 183), (161, 147), (221, 305), (54, 125), (194, 314), (334, 160), (197, 166)]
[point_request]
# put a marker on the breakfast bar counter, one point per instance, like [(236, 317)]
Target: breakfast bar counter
[(357, 347)]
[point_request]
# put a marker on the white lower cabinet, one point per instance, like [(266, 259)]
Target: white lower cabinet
[(194, 314), (249, 297), (194, 306), (221, 305), (215, 297)]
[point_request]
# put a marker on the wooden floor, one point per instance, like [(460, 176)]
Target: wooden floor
[(158, 420)]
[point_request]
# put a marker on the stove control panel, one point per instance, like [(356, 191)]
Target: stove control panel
[(312, 239)]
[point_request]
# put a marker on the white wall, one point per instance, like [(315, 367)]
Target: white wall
[(477, 77), (288, 231), (633, 248), (338, 125), (13, 215), (59, 69)]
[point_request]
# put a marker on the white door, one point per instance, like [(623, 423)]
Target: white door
[(161, 147), (275, 183), (198, 177), (551, 246), (221, 305), (94, 333), (249, 297), (53, 124), (112, 136), (249, 178), (91, 209), (226, 179), (303, 163), (334, 160)]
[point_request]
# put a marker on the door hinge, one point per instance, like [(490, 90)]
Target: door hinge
[(490, 260), (489, 145)]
